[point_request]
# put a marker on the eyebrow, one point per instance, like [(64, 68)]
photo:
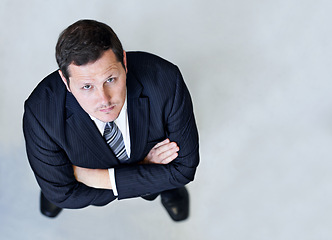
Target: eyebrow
[(110, 76)]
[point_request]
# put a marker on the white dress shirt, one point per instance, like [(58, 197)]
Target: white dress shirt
[(123, 125)]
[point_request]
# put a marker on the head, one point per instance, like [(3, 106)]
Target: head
[(93, 67), (84, 42)]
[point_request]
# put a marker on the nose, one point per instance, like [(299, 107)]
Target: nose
[(104, 96)]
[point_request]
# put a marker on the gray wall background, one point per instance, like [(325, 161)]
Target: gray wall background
[(260, 77)]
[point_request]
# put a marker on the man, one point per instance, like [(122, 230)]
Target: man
[(110, 124)]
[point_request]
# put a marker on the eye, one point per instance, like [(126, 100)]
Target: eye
[(87, 87), (110, 80)]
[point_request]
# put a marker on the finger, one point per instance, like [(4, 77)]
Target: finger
[(161, 143), (168, 153), (169, 158), (166, 147)]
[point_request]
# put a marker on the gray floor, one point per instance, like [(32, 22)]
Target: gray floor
[(260, 77)]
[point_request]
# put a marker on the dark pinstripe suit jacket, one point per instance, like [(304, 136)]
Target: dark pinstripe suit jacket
[(59, 134)]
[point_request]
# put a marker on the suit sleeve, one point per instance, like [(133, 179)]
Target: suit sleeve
[(140, 180), (53, 170)]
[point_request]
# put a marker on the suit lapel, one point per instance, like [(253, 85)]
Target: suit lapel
[(138, 117)]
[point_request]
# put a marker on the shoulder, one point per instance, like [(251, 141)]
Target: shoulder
[(134, 57), (152, 71), (47, 95), (138, 61)]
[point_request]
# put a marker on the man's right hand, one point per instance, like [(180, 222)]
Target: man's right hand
[(162, 153)]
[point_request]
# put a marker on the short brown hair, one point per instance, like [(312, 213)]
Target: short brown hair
[(84, 42)]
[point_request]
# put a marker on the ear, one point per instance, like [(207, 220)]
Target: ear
[(125, 60), (64, 80)]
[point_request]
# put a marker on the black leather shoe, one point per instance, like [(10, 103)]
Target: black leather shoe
[(176, 202), (47, 208)]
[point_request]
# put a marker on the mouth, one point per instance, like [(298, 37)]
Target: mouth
[(108, 109)]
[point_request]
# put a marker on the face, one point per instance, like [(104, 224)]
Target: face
[(99, 87)]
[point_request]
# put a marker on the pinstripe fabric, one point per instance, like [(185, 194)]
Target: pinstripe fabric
[(114, 139), (60, 134)]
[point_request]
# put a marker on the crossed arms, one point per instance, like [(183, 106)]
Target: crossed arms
[(162, 153)]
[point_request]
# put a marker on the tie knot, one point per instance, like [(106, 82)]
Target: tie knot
[(108, 128), (110, 124)]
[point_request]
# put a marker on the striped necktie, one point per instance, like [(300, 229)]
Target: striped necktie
[(114, 139)]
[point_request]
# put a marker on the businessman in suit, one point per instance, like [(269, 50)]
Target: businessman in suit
[(110, 124)]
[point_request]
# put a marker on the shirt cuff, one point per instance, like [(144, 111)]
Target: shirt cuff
[(112, 179)]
